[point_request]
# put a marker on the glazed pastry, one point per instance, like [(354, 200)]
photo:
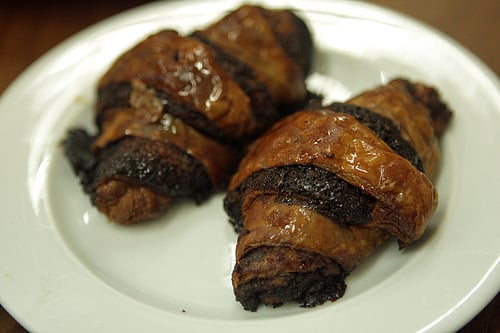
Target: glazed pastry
[(175, 113), (319, 191), (274, 43)]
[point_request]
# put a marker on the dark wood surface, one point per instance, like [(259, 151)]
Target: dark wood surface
[(30, 28)]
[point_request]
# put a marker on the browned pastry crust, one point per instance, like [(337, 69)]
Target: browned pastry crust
[(332, 151)]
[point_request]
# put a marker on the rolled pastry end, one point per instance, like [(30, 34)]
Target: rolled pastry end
[(126, 203), (274, 275)]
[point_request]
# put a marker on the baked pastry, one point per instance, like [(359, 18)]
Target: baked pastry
[(275, 43), (175, 113), (320, 190)]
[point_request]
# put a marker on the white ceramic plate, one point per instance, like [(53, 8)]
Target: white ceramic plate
[(64, 268)]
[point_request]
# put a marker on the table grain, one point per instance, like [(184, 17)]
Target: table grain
[(28, 29)]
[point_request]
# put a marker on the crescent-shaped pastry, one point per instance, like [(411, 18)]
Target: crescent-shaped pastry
[(175, 113), (320, 190)]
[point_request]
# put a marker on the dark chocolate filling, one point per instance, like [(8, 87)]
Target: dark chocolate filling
[(112, 96), (158, 165), (77, 148), (306, 185)]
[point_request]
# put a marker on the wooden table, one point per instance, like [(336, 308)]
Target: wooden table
[(30, 28)]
